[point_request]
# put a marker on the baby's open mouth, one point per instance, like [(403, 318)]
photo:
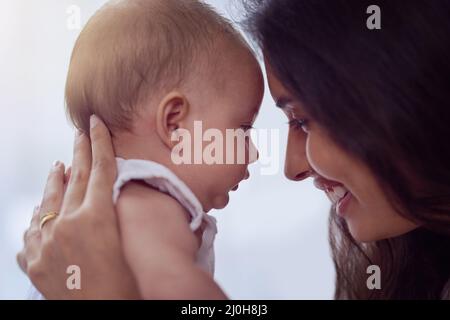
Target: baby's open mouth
[(247, 175)]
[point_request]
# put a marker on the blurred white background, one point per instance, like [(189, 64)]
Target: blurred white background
[(272, 241)]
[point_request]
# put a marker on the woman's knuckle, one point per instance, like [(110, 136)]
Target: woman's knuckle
[(22, 265), (20, 258), (86, 210), (79, 175), (25, 235), (31, 234), (34, 270), (50, 197), (101, 164)]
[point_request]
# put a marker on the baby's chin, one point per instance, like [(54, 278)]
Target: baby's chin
[(220, 202)]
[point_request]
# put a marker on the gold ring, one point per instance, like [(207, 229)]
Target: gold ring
[(47, 217)]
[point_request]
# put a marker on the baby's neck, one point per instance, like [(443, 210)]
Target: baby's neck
[(131, 146)]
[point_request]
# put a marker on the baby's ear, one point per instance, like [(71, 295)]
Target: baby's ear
[(172, 112)]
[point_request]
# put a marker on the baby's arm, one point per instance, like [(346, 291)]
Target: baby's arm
[(160, 247)]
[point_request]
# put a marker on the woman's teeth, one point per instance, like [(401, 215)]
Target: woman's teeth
[(336, 193)]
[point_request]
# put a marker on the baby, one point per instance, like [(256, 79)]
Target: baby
[(148, 69)]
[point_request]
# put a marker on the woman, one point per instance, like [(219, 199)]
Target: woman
[(367, 110), (372, 105)]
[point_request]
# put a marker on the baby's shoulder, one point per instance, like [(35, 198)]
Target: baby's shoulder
[(137, 196)]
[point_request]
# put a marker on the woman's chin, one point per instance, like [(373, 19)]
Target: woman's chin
[(362, 237), (368, 232), (361, 233)]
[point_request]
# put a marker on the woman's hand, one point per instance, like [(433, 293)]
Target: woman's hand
[(85, 233)]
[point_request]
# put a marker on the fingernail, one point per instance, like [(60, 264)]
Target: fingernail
[(56, 163), (93, 121)]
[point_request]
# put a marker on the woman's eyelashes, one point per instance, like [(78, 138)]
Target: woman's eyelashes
[(299, 124), (247, 127)]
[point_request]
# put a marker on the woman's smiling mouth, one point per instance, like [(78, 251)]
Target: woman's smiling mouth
[(338, 194)]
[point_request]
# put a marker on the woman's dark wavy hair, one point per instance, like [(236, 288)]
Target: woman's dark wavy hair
[(383, 96)]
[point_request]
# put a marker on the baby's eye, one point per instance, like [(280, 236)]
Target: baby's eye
[(247, 127), (299, 124)]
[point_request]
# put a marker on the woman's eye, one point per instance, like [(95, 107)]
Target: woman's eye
[(299, 124)]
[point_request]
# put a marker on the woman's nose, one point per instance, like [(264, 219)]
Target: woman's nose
[(296, 165), (299, 176)]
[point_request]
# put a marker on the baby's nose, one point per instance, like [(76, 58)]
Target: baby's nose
[(253, 154)]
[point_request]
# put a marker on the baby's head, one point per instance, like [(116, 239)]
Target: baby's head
[(151, 68)]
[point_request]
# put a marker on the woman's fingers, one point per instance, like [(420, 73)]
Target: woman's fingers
[(52, 199), (67, 178), (75, 236), (79, 174), (35, 218), (104, 168), (34, 225), (67, 175), (22, 261)]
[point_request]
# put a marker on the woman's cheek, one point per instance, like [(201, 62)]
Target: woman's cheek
[(313, 154), (322, 155)]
